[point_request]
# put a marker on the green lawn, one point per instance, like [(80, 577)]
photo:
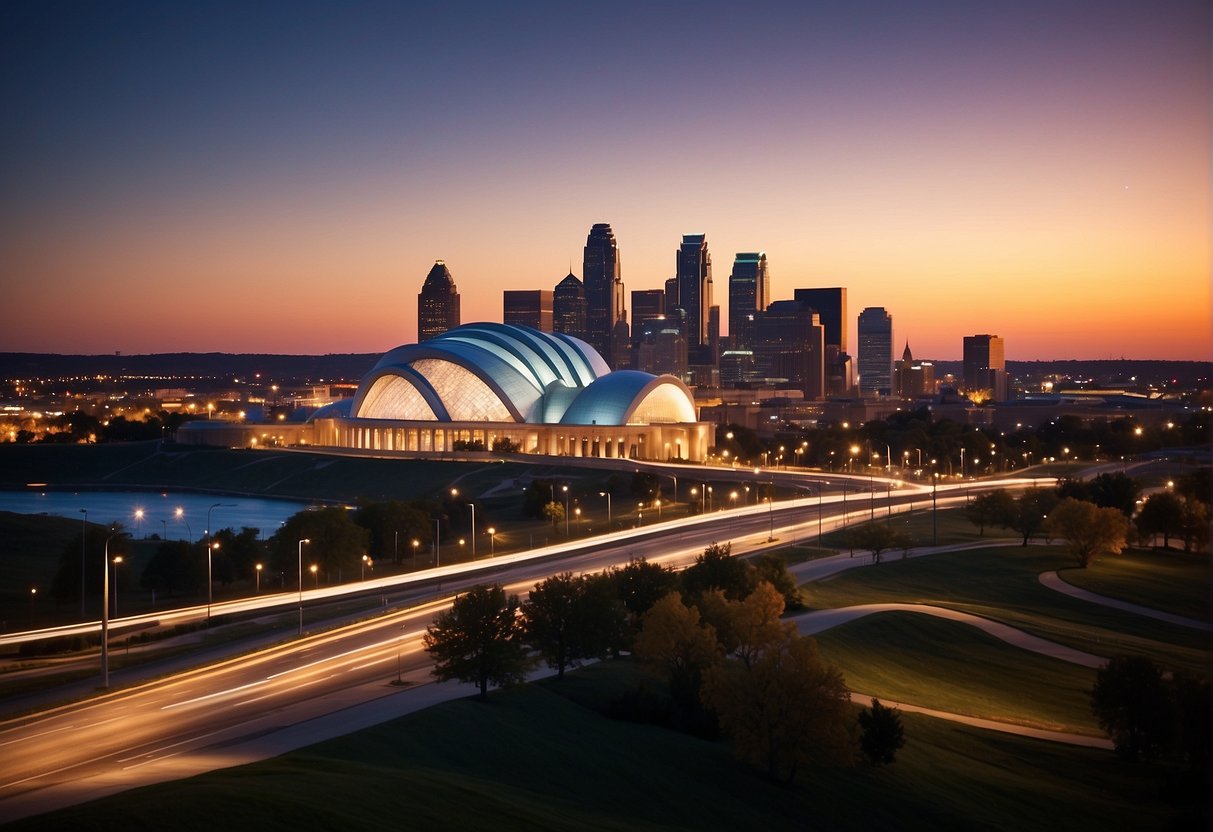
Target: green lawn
[(1003, 583), (1171, 581), (918, 524), (954, 667), (537, 759)]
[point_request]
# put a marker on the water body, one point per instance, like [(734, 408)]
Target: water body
[(159, 510)]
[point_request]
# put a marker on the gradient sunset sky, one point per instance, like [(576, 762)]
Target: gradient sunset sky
[(279, 177)]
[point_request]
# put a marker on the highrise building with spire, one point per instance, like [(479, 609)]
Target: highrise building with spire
[(603, 289), (569, 308), (437, 303)]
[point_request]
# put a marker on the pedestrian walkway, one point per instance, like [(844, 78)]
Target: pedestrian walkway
[(1054, 581)]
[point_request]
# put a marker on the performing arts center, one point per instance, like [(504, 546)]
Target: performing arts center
[(479, 384)]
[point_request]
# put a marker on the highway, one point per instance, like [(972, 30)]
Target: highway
[(179, 725)]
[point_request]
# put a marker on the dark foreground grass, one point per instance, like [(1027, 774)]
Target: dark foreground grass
[(1003, 584), (541, 759), (953, 667)]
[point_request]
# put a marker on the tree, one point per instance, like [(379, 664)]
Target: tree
[(876, 537), (1195, 529), (1161, 513), (1027, 514), (176, 567), (65, 586), (672, 638), (784, 709), (882, 735), (773, 568), (568, 619), (1117, 490), (641, 584), (1131, 702), (337, 542), (1089, 531), (716, 568), (988, 509), (236, 555), (554, 511), (479, 640), (389, 521)]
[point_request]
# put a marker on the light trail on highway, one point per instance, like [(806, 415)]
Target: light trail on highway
[(178, 725)]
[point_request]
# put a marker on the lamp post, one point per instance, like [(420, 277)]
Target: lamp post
[(105, 612), (771, 509), (362, 568), (257, 571), (315, 570), (210, 583), (472, 506), (493, 541), (565, 489), (301, 542), (607, 494), (83, 537), (437, 540), (117, 560), (180, 515), (33, 593), (934, 509), (138, 522), (416, 543), (819, 490)]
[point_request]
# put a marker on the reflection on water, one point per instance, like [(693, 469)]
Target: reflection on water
[(147, 513)]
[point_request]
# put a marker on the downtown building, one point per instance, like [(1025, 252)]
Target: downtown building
[(528, 307), (437, 303), (749, 294), (985, 368), (831, 306), (875, 332), (569, 308), (604, 292)]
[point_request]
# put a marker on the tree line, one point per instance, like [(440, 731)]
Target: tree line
[(715, 634)]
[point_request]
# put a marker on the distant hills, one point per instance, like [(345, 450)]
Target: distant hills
[(353, 366)]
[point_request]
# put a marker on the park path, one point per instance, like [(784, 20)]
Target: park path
[(815, 622), (1054, 581)]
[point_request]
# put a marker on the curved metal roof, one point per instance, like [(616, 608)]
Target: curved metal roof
[(501, 372)]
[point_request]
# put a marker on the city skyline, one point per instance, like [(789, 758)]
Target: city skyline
[(280, 179)]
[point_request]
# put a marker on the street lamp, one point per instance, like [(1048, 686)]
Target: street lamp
[(83, 538), (315, 570), (210, 583), (854, 453), (301, 542), (138, 521), (117, 560), (472, 506), (493, 540), (416, 543), (105, 612), (180, 515), (33, 593), (565, 489), (362, 568), (257, 571), (607, 494)]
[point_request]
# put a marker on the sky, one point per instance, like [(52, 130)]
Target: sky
[(280, 177)]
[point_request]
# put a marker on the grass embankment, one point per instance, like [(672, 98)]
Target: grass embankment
[(1176, 582), (539, 758), (948, 526), (953, 667), (1003, 584)]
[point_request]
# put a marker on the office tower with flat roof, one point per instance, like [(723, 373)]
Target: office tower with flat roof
[(789, 346), (527, 307), (985, 368), (569, 308), (875, 331), (603, 289), (646, 304), (694, 270), (831, 305), (749, 293), (437, 303)]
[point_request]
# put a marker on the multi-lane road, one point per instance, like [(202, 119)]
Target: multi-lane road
[(316, 686)]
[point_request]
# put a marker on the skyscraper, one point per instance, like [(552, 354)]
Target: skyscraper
[(603, 288), (749, 293), (875, 332), (694, 270), (527, 307), (646, 304), (789, 343), (831, 305), (569, 308), (914, 378), (437, 303), (985, 369)]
